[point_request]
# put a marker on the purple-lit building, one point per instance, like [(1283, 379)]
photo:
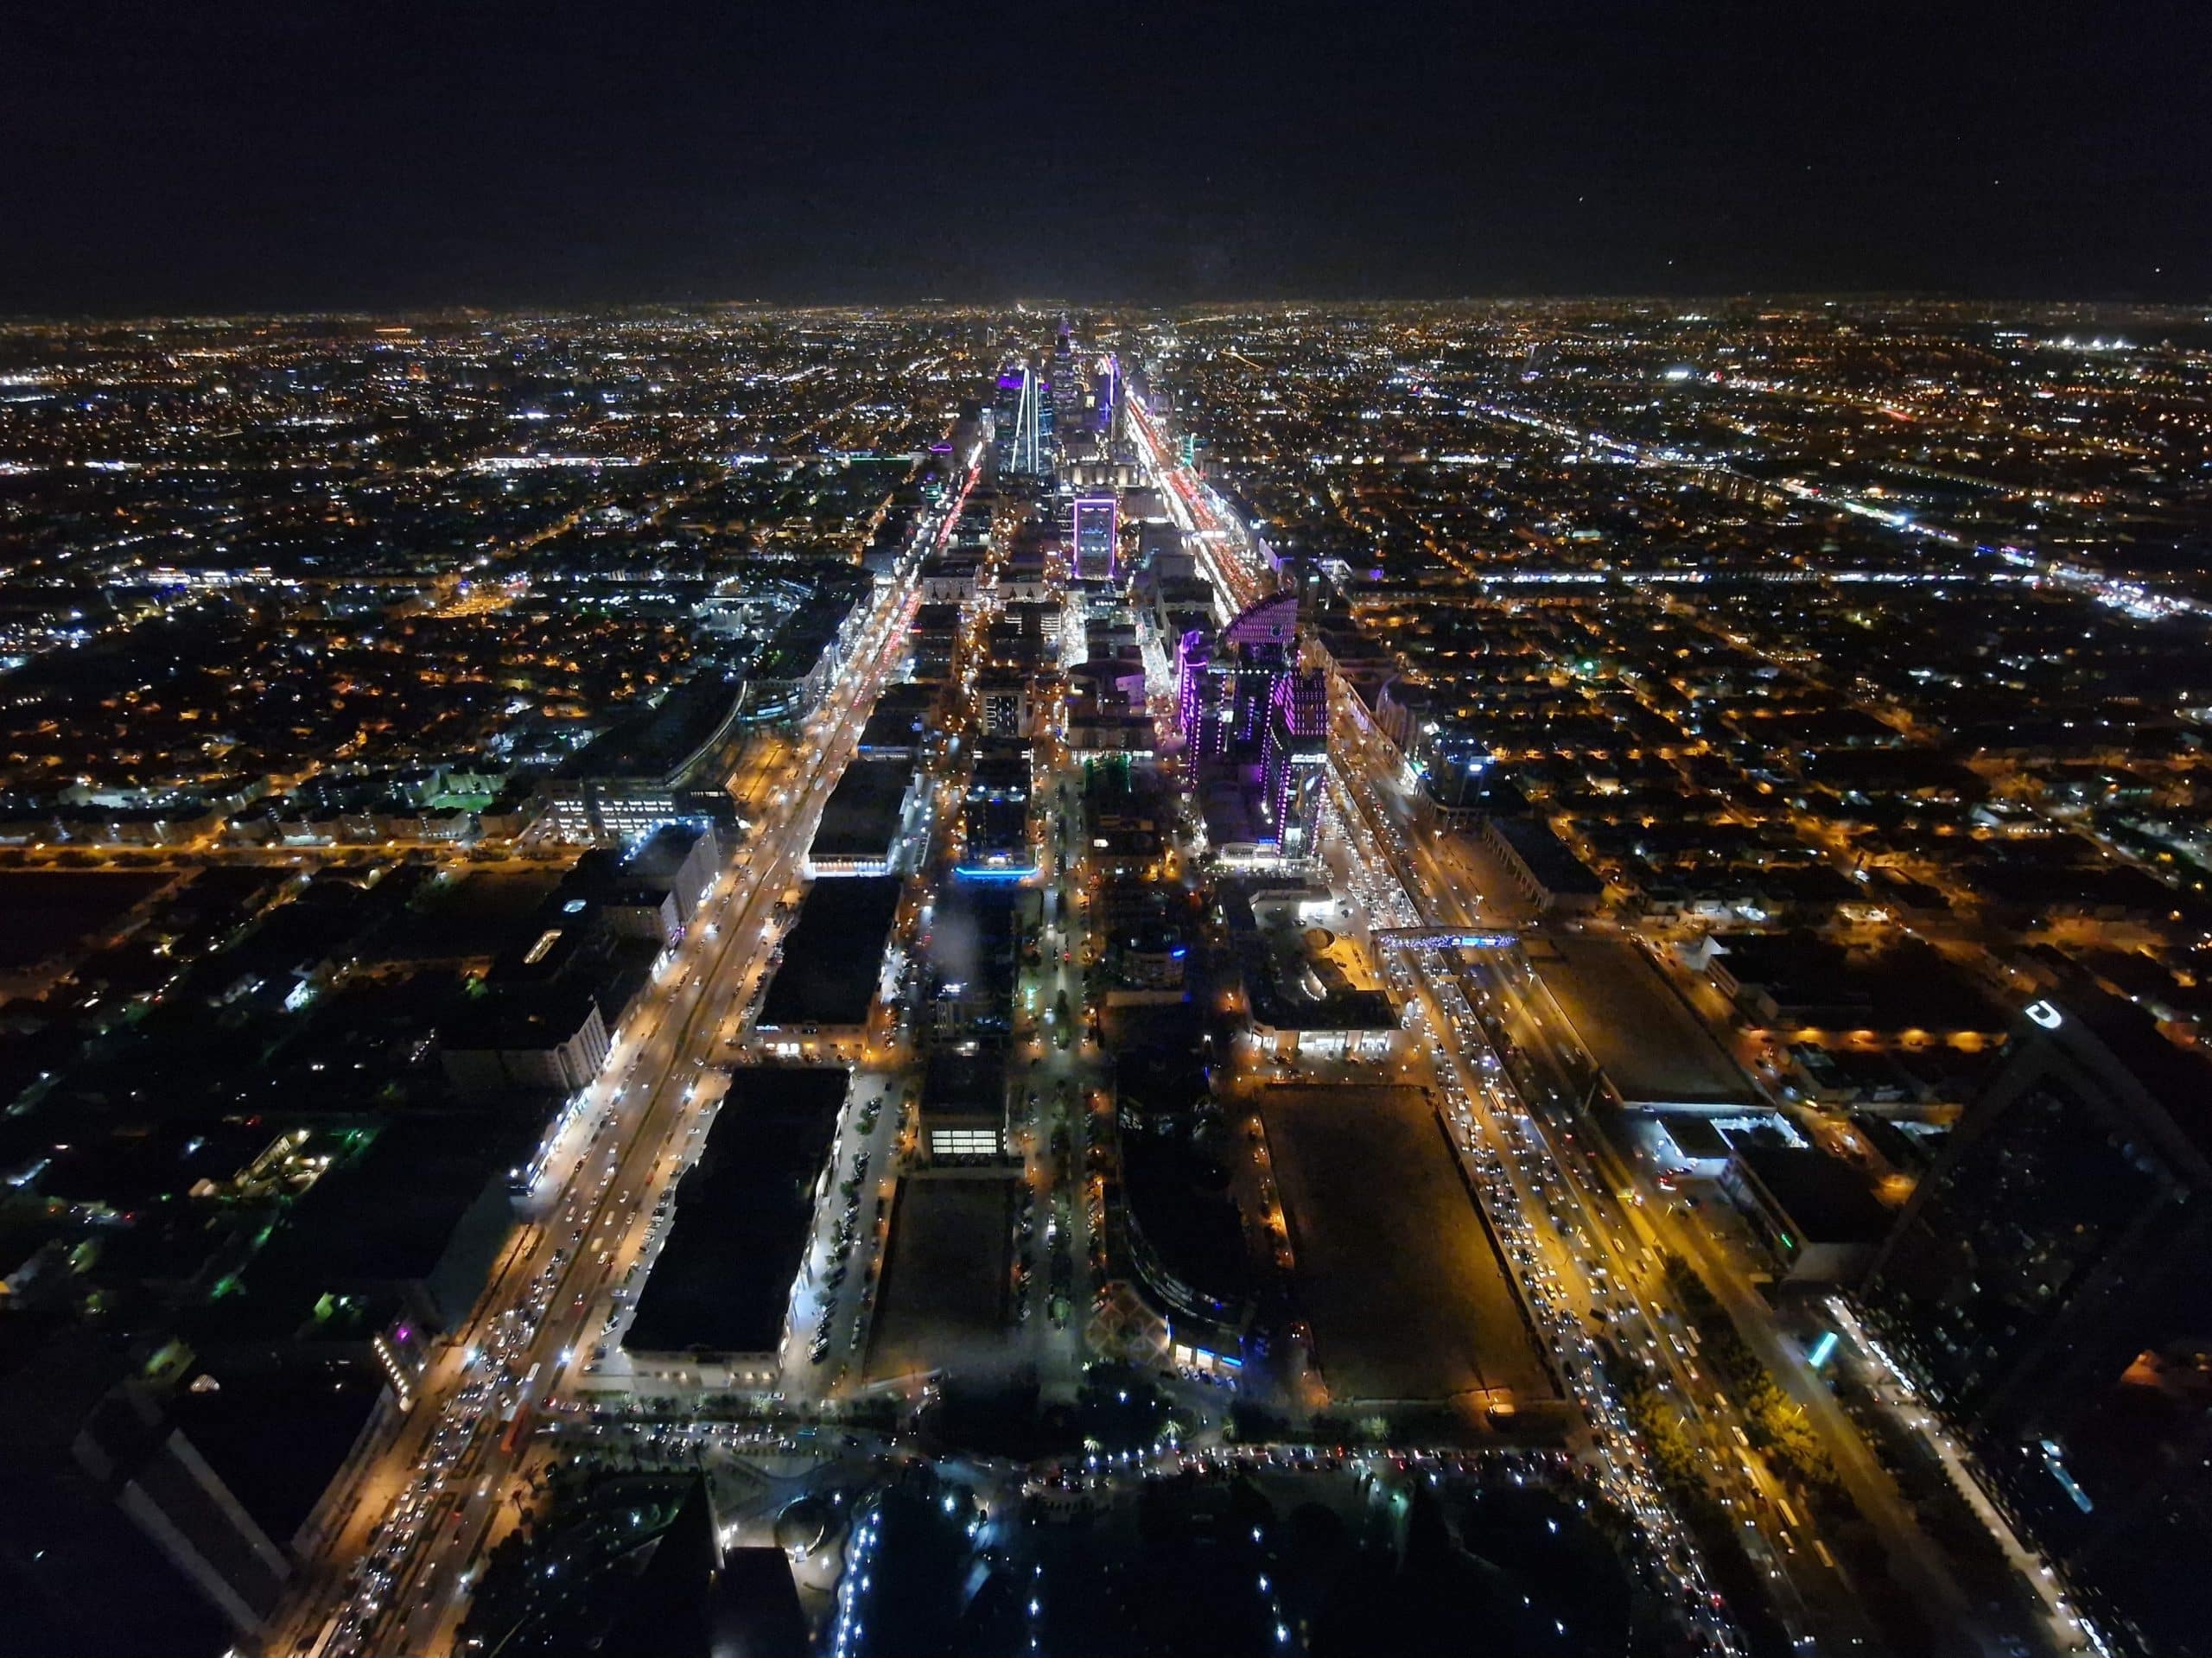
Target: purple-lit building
[(1256, 730), (1193, 655), (1294, 758), (1109, 396), (1223, 687)]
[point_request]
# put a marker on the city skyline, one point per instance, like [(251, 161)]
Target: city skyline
[(1032, 830), (891, 958)]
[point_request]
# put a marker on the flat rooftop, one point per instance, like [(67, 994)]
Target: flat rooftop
[(277, 1440), (1655, 1050), (487, 912), (860, 818), (390, 1217), (663, 741), (891, 731), (742, 1216), (1406, 1294), (1827, 1199), (964, 1084), (832, 954), (1550, 858), (948, 1280), (908, 699)]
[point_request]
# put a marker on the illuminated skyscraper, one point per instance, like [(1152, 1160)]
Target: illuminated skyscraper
[(1109, 389), (1295, 759), (1067, 382), (1224, 686), (1006, 415), (1096, 521), (1021, 421)]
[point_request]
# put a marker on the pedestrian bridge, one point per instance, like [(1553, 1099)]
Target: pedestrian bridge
[(1444, 938)]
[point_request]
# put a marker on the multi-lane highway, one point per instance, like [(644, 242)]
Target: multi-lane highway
[(394, 1577), (1591, 1258), (1531, 1206), (426, 1507), (1223, 546), (1614, 1228)]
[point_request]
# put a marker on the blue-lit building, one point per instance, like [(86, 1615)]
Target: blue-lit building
[(1098, 522)]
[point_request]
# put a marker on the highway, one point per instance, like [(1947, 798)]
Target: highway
[(1582, 1236), (2135, 594), (1599, 1247), (1531, 1207), (1582, 1267), (1616, 1219), (1222, 547), (393, 1579)]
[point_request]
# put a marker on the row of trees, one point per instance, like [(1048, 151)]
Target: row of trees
[(1775, 1422)]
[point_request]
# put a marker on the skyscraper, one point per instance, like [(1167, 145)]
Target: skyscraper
[(1021, 421), (1096, 521), (1224, 685), (1067, 382), (1295, 759), (1108, 396), (2047, 1288), (1007, 415)]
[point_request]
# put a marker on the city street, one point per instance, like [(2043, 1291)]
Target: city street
[(422, 1516)]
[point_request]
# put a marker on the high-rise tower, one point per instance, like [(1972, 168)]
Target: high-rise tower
[(2047, 1288)]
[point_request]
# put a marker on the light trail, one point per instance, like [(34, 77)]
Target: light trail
[(1507, 1204), (427, 1503)]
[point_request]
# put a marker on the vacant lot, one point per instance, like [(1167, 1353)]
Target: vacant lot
[(1407, 1296), (947, 1285)]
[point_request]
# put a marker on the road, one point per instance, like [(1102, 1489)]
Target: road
[(1615, 1218), (1223, 547), (393, 1579), (1527, 1200), (1596, 1260)]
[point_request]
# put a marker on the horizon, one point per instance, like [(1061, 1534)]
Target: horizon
[(2199, 309), (1050, 831)]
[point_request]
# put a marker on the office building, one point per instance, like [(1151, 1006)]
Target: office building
[(1224, 685), (1096, 521), (1294, 759), (2046, 1290)]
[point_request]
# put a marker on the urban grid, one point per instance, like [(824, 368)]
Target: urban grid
[(1495, 977)]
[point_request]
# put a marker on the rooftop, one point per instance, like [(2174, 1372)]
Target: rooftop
[(742, 1215), (832, 954), (860, 818)]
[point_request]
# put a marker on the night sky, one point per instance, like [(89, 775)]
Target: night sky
[(239, 155)]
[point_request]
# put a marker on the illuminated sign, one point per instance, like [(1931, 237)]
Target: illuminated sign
[(1444, 938), (2045, 1015)]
